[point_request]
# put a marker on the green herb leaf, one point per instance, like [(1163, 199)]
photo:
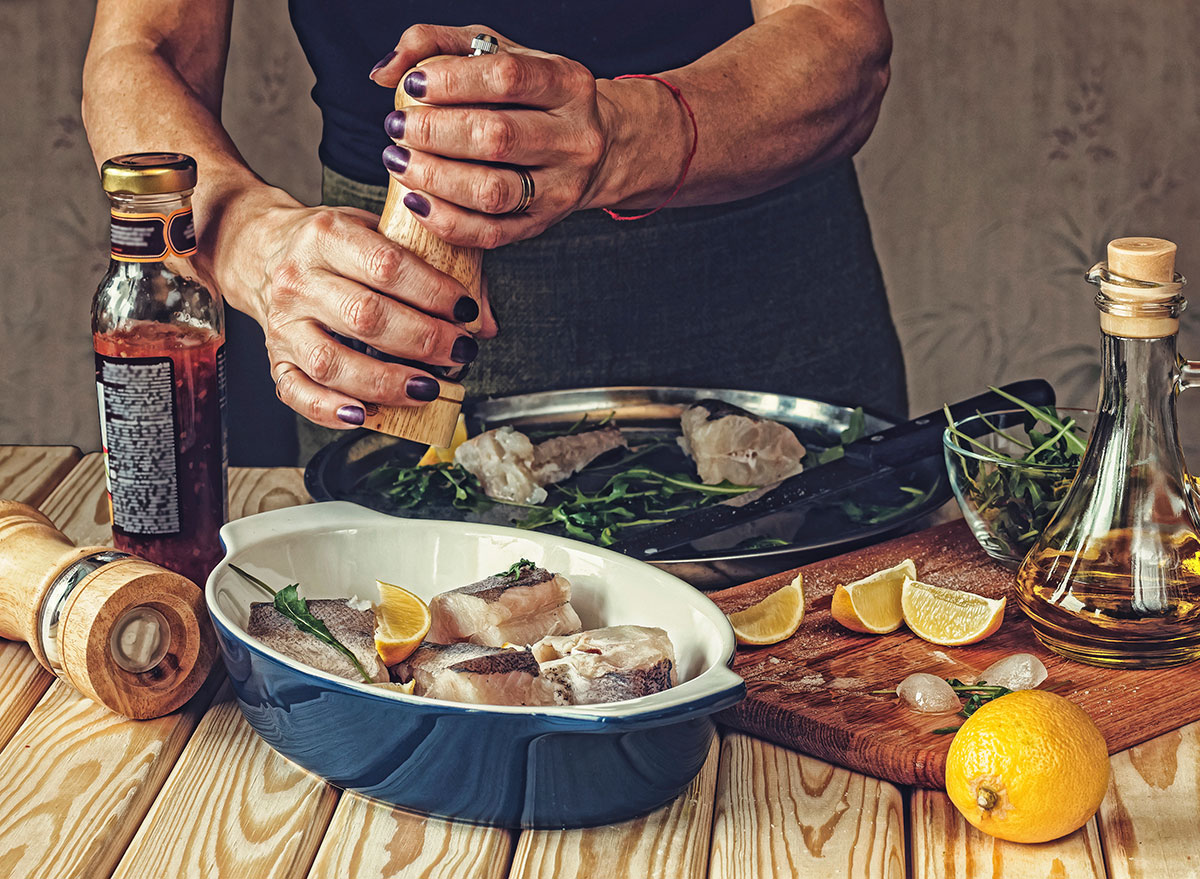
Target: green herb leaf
[(945, 730), (514, 570), (289, 603)]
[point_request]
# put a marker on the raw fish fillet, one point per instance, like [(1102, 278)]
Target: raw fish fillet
[(730, 443), (502, 461), (561, 456), (354, 628), (511, 468), (504, 609), (471, 673), (607, 665)]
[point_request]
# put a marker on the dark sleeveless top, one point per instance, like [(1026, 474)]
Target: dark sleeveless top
[(609, 37), (779, 293)]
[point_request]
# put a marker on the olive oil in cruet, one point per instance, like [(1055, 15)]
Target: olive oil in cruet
[(1114, 579)]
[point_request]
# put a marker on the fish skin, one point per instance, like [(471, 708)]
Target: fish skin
[(502, 608), (354, 628), (610, 664), (476, 674)]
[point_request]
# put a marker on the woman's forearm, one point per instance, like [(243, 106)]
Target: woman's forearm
[(799, 89), (153, 81)]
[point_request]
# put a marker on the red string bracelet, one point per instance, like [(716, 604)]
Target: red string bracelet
[(687, 163)]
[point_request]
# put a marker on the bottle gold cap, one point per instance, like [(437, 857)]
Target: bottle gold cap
[(149, 173)]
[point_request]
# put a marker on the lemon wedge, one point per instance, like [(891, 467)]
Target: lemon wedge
[(949, 617), (773, 619), (872, 604), (401, 622), (438, 455)]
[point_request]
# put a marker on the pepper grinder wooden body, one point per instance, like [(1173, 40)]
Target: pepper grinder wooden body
[(434, 422), (132, 636)]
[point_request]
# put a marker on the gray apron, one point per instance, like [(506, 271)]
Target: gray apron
[(780, 292)]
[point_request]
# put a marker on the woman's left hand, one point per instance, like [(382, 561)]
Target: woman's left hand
[(540, 112)]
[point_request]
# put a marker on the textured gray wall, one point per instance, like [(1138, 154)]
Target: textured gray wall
[(1016, 139)]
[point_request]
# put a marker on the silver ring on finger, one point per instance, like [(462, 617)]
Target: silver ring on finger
[(284, 368), (484, 44), (526, 191)]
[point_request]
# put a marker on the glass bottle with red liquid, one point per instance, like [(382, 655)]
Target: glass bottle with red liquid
[(159, 334)]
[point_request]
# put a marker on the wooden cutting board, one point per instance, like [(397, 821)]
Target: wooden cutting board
[(812, 692)]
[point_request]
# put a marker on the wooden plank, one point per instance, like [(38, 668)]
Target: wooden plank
[(945, 846), (671, 842), (1150, 819), (782, 814), (29, 473), (231, 807), (370, 840), (76, 780), (257, 490), (79, 504), (813, 691)]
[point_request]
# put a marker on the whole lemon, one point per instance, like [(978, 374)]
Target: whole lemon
[(1029, 766)]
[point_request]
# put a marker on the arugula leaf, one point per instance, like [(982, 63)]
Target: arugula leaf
[(289, 603)]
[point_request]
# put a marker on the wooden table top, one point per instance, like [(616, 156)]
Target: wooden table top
[(88, 794)]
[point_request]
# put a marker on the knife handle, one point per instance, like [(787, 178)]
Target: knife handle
[(905, 442)]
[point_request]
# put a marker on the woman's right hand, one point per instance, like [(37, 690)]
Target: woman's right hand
[(304, 273)]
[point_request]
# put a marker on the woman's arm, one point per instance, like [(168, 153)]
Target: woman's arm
[(153, 81), (798, 89)]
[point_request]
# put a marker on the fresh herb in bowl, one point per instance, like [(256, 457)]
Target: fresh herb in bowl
[(1010, 481)]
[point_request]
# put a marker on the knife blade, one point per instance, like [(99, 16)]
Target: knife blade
[(864, 461)]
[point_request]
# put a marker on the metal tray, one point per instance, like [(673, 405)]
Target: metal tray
[(335, 472)]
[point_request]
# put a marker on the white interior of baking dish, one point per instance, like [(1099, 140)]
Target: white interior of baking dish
[(338, 550)]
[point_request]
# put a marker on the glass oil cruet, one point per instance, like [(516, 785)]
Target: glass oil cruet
[(1114, 579)]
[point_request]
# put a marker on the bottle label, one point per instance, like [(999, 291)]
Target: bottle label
[(152, 237), (137, 431)]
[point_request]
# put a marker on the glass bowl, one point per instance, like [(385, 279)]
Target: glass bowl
[(1008, 502)]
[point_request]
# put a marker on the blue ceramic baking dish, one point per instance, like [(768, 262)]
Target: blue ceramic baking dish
[(515, 767)]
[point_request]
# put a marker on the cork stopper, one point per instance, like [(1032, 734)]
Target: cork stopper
[(1136, 311)]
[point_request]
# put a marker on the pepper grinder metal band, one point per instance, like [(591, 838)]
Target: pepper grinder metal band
[(129, 634)]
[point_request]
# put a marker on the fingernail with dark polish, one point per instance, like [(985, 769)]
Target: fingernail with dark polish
[(395, 159), (393, 124), (414, 83), (464, 349), (418, 204), (423, 388), (382, 62), (466, 310), (351, 414)]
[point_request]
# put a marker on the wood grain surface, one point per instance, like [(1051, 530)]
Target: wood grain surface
[(1150, 820), (782, 814), (231, 807), (369, 840), (945, 846), (671, 842), (77, 779), (812, 692), (27, 474)]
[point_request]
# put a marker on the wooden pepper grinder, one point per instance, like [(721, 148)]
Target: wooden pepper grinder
[(131, 635), (434, 422)]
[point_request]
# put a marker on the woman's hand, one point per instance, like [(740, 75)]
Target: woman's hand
[(314, 272), (544, 115)]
